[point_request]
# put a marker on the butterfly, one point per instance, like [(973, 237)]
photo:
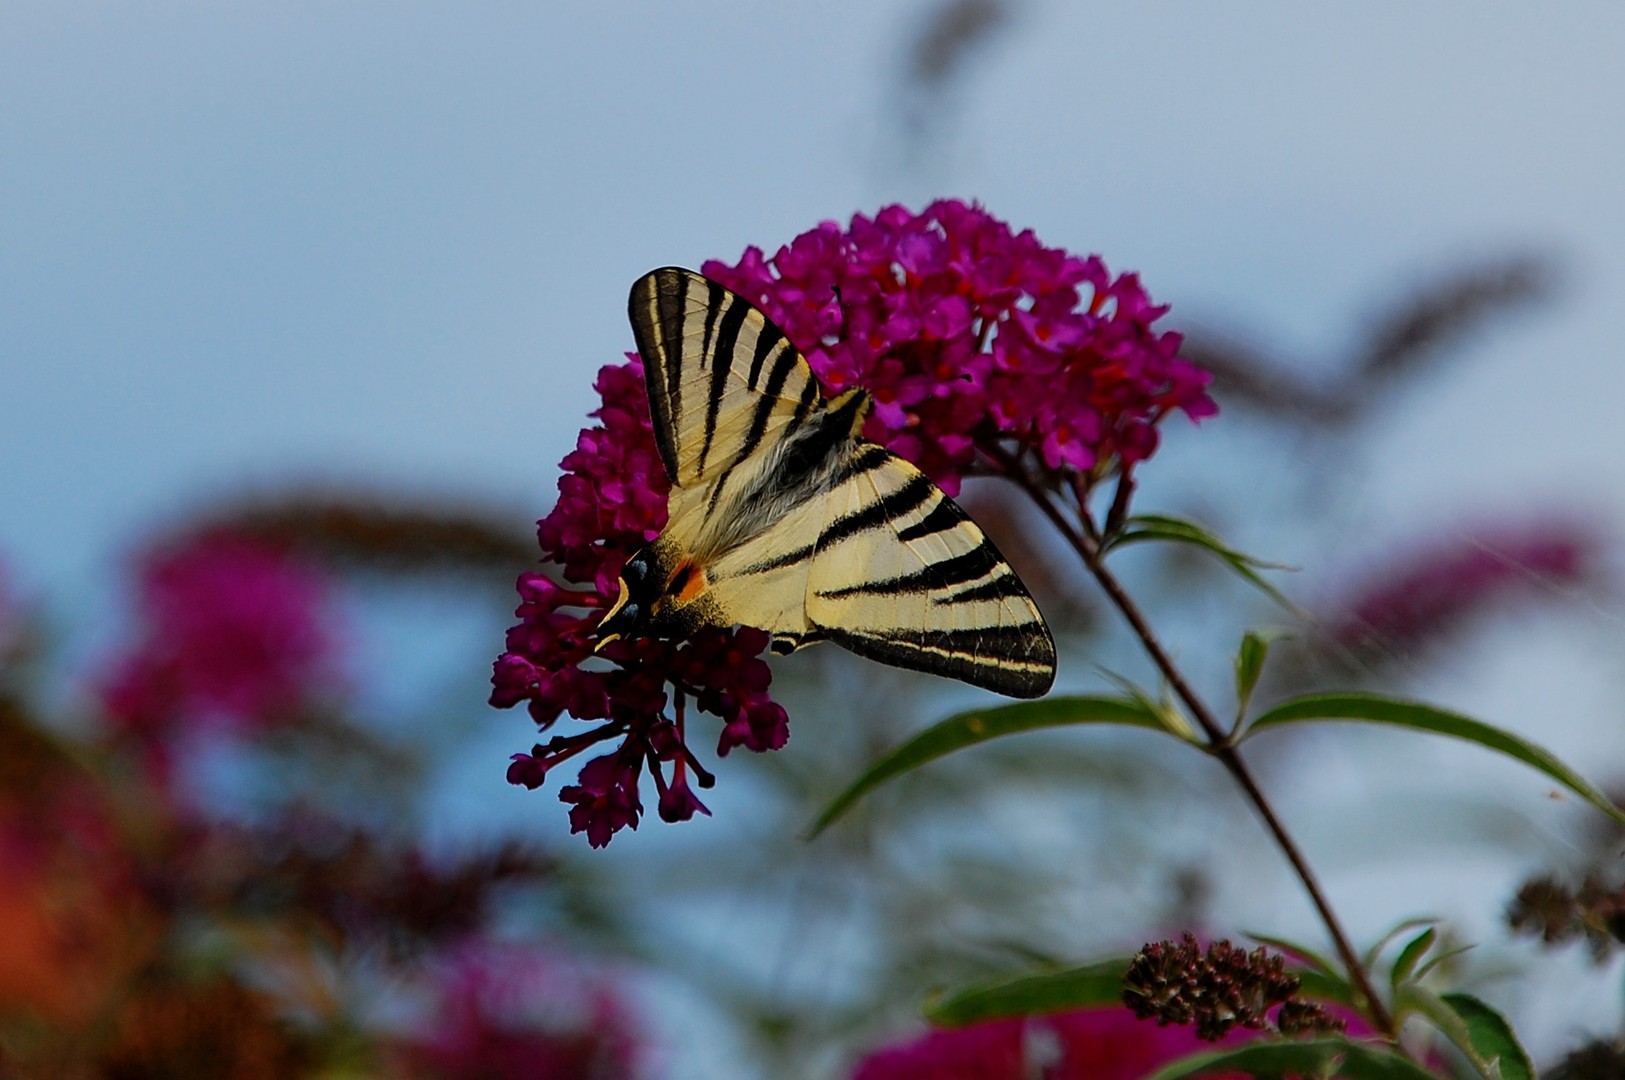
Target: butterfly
[(784, 518)]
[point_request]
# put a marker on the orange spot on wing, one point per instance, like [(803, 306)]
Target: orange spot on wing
[(688, 583)]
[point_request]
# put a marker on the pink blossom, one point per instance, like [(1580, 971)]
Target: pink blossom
[(966, 333), (1431, 590), (232, 633), (509, 1012), (612, 500), (1105, 1043)]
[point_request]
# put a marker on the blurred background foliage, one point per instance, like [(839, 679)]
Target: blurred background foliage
[(237, 843)]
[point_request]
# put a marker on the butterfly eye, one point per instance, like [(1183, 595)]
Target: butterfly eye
[(624, 619)]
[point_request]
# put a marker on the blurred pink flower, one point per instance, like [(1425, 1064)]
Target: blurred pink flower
[(505, 1012), (1105, 1043), (1430, 591), (231, 634)]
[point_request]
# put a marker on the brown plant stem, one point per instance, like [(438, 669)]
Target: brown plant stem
[(1219, 744)]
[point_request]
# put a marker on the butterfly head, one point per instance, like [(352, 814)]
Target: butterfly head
[(661, 594), (630, 613)]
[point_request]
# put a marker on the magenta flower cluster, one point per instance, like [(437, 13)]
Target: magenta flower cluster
[(232, 634), (504, 1012), (612, 500), (965, 334), (1434, 589), (1089, 1044)]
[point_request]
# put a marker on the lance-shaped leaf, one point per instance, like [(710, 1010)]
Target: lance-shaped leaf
[(1249, 663), (1032, 995), (1482, 1035), (1491, 1036), (1411, 955), (1441, 958), (1184, 531), (1322, 986), (1369, 959), (978, 726), (1415, 716), (1322, 1057)]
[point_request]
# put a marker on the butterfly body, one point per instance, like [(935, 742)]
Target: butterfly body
[(782, 517)]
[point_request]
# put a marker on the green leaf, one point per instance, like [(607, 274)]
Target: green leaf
[(1184, 531), (1371, 954), (1439, 958), (1321, 1057), (1250, 658), (1491, 1036), (1174, 722), (1419, 717), (1031, 995), (1412, 998), (1411, 955), (1325, 986), (980, 725), (1316, 1058), (1366, 1061)]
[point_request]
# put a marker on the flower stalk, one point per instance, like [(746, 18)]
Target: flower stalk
[(1087, 540)]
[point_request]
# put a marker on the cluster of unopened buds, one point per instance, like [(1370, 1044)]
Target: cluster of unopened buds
[(1220, 988)]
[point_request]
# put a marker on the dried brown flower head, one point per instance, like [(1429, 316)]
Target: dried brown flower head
[(1217, 989)]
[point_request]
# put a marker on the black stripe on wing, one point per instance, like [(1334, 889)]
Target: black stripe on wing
[(1014, 660), (869, 457), (944, 516), (883, 512), (720, 359), (769, 336), (784, 362), (657, 307), (973, 565), (1001, 587), (810, 396)]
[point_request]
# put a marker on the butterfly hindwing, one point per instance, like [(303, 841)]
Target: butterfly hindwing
[(902, 575), (724, 381)]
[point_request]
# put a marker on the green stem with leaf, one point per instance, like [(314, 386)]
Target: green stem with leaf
[(1088, 542)]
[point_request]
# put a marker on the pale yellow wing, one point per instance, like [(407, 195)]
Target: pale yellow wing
[(724, 382), (900, 574)]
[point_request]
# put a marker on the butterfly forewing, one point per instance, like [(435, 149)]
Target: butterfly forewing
[(724, 382)]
